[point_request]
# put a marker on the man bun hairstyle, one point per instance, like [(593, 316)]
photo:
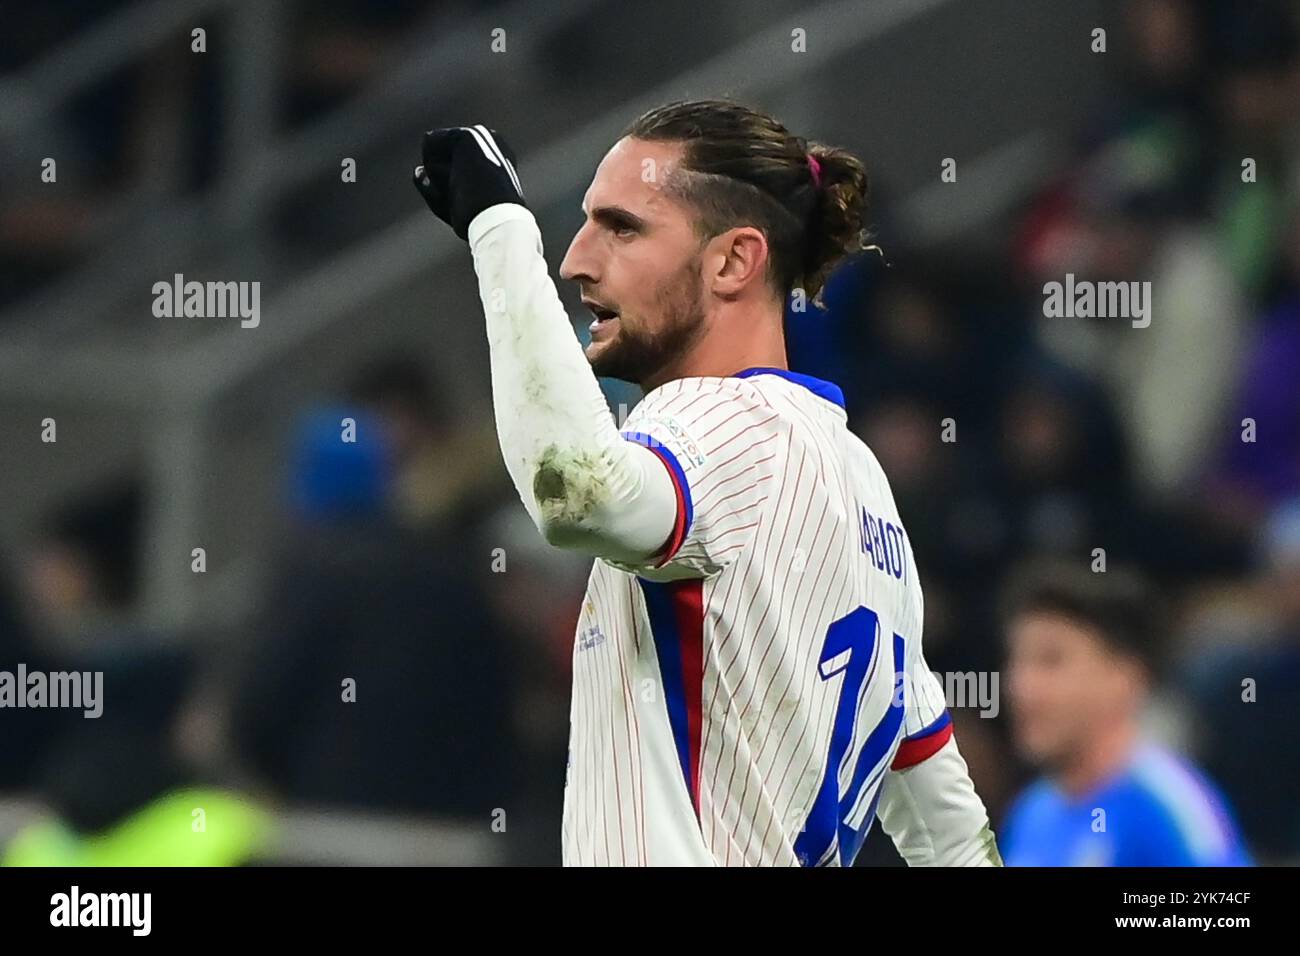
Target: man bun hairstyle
[(743, 168)]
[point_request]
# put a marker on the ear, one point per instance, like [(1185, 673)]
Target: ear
[(737, 259)]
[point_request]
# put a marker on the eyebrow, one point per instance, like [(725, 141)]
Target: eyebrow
[(615, 216)]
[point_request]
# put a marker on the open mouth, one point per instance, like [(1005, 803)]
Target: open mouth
[(601, 313)]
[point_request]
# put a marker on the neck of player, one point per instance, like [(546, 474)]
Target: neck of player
[(733, 340), (1106, 754)]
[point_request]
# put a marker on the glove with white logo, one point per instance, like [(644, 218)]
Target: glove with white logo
[(466, 169)]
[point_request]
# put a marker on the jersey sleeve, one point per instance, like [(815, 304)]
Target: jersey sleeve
[(724, 448), (934, 816), (927, 725), (1181, 823), (584, 487), (928, 804)]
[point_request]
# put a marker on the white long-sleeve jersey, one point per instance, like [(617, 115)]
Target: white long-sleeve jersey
[(748, 681)]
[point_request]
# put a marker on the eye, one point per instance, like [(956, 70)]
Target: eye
[(618, 224), (621, 227)]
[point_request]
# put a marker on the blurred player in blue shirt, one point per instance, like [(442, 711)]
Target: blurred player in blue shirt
[(1081, 649)]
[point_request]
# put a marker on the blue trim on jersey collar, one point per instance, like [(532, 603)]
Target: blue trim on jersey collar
[(822, 389)]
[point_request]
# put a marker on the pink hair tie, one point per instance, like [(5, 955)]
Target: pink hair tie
[(816, 169)]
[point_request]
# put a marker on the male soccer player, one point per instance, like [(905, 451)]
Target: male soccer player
[(1080, 647), (748, 682)]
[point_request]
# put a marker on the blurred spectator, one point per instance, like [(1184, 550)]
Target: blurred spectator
[(445, 473), (1254, 83), (1246, 693), (26, 732), (1256, 475), (377, 680), (1130, 231), (337, 45), (1081, 649), (82, 575), (117, 791), (534, 593)]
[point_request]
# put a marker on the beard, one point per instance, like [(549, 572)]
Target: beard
[(638, 354)]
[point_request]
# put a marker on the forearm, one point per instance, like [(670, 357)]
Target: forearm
[(584, 486), (934, 816)]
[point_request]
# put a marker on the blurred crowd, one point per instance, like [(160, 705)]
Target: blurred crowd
[(1173, 448), (128, 136), (406, 566)]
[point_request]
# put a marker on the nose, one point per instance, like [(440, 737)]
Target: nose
[(579, 262)]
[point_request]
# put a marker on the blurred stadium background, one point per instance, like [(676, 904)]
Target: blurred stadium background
[(378, 564)]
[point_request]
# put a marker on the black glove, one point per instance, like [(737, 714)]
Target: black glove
[(466, 169)]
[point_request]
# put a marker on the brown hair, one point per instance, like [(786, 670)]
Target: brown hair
[(1119, 604), (742, 167)]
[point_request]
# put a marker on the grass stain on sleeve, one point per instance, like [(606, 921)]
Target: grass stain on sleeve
[(568, 487)]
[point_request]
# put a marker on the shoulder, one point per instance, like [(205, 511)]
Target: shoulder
[(1032, 802), (705, 422), (698, 400), (755, 404), (1181, 810), (1025, 822)]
